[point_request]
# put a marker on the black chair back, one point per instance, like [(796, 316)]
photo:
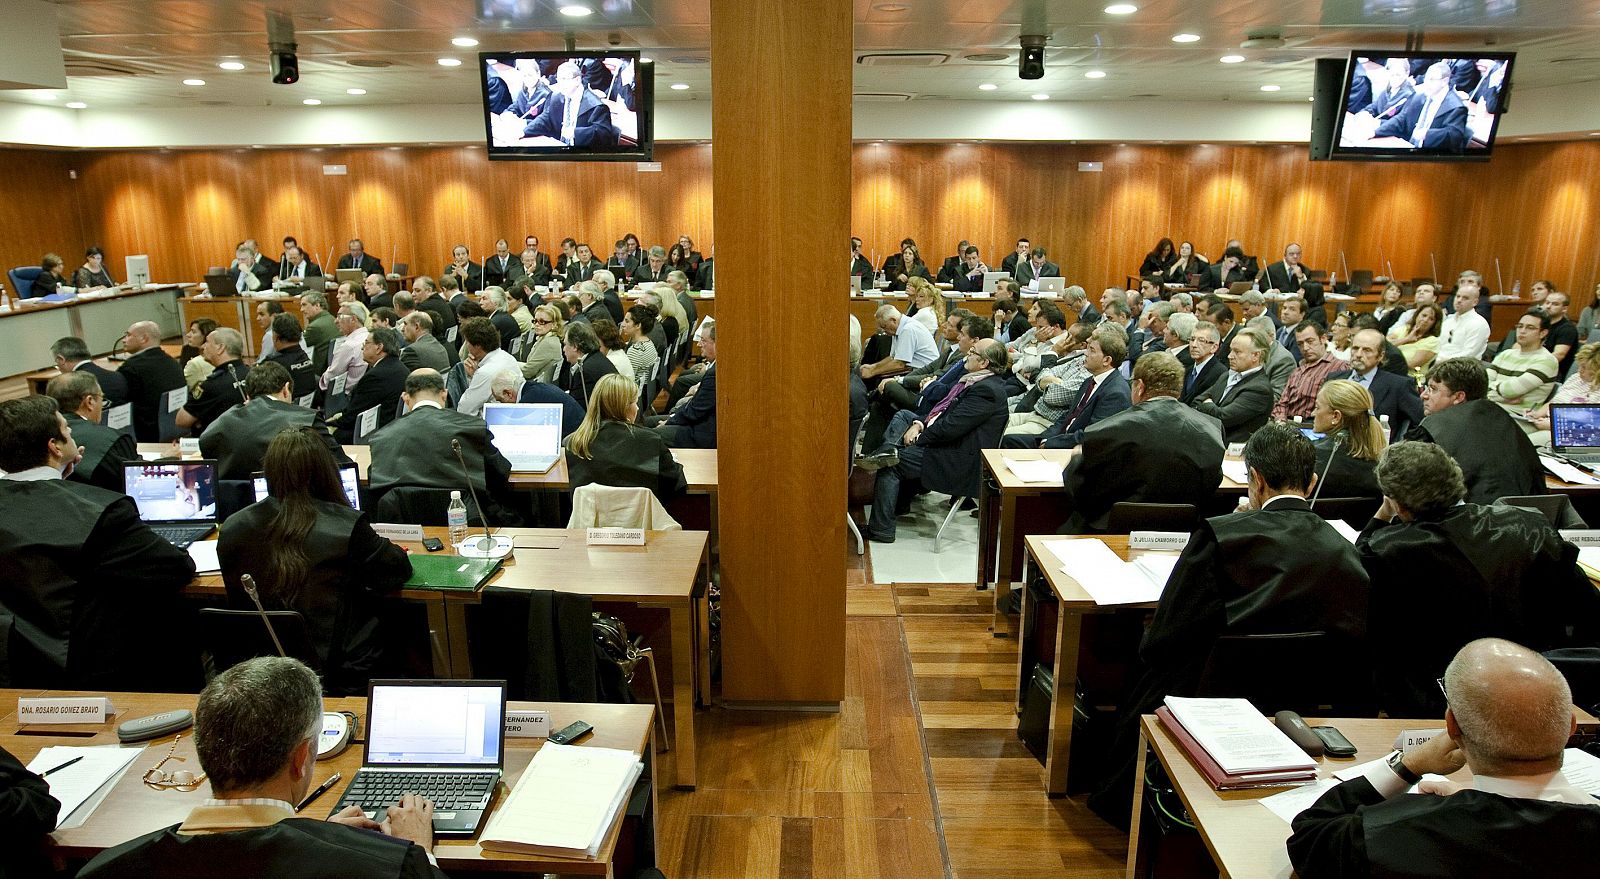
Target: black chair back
[(1557, 508), (1128, 517), (1308, 672), (1581, 667), (412, 505), (232, 636), (1353, 511)]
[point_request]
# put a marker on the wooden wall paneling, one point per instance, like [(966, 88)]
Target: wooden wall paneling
[(40, 214)]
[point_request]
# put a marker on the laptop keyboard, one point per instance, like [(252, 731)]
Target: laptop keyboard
[(1589, 458), (180, 536), (374, 790)]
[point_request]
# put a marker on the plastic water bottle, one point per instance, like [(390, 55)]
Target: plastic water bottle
[(456, 517)]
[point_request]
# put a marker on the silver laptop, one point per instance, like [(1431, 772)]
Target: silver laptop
[(177, 499), (352, 275), (989, 279), (1057, 286), (1575, 432), (349, 478), (444, 740), (528, 434)]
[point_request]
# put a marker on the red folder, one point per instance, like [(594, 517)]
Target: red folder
[(1222, 780)]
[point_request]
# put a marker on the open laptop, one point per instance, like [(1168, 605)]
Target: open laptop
[(177, 499), (528, 434), (989, 279), (1056, 286), (1239, 288), (1575, 432), (352, 275), (444, 740), (349, 477), (221, 285)]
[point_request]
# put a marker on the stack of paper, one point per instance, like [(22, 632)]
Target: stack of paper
[(1566, 472), (1589, 560), (1106, 577), (1234, 745), (1035, 471), (1236, 470), (566, 800), (80, 787)]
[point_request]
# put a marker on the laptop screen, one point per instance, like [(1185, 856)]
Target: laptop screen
[(348, 477), (525, 430), (436, 723), (172, 491), (1574, 426)]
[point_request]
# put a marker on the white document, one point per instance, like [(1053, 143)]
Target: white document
[(204, 553), (566, 799), (1568, 473), (76, 784), (1106, 577), (1043, 472), (1236, 735), (1589, 557), (1345, 530), (1296, 799), (1236, 471), (1582, 771)]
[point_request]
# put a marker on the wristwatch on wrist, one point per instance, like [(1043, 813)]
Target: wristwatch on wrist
[(1397, 763)]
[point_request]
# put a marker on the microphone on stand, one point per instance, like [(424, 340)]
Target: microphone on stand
[(1324, 477), (489, 546), (249, 584)]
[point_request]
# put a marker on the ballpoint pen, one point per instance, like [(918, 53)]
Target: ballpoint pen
[(321, 789)]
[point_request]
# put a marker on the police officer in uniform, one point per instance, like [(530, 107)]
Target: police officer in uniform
[(223, 389)]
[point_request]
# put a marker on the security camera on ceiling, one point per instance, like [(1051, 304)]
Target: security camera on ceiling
[(280, 42), (1030, 61)]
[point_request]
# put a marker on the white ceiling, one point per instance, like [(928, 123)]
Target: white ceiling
[(135, 53)]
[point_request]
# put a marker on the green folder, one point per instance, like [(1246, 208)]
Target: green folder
[(450, 572)]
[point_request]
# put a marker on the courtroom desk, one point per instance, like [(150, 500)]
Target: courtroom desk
[(1074, 604), (28, 331), (239, 313), (132, 809)]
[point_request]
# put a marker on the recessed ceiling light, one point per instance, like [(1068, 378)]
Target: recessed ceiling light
[(680, 86), (1269, 88), (194, 82), (1095, 74), (77, 105), (464, 42), (1041, 97), (1186, 38), (1311, 100), (575, 10), (1121, 9), (312, 102), (987, 87), (1231, 59), (449, 62), (355, 91), (231, 65)]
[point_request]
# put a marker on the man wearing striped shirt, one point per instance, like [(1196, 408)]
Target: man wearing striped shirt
[(1316, 366)]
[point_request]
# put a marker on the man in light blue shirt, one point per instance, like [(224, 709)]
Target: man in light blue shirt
[(913, 344)]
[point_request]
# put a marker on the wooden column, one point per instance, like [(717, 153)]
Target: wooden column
[(781, 94)]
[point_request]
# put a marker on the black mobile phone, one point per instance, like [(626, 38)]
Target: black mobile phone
[(432, 544), (571, 732), (1334, 744)]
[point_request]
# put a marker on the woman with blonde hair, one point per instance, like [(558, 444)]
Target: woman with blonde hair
[(1581, 386), (1353, 438), (609, 449), (541, 347), (927, 304)]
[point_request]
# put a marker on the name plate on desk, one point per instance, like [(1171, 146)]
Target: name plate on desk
[(89, 709), (1411, 739), (616, 537), (1235, 449), (189, 445), (1158, 540), (399, 533), (1581, 536), (524, 724)]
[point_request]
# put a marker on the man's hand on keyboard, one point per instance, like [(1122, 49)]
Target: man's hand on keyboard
[(353, 816), (412, 819)]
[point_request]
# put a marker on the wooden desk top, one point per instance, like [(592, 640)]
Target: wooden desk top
[(17, 308), (663, 571), (133, 809), (699, 468)]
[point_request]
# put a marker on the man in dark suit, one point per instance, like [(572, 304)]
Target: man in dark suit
[(288, 353), (1075, 301), (380, 386), (531, 273), (104, 450), (575, 116), (256, 735), (1206, 364), (82, 580), (1467, 570), (358, 258), (495, 304), (1242, 398), (422, 349), (1159, 451), (622, 263), (913, 389), (501, 269), (860, 266), (468, 274), (1509, 719), (705, 277), (238, 440), (250, 272), (1103, 394), (429, 300), (1035, 266), (1494, 453), (1392, 395), (581, 267), (150, 373), (1396, 91), (414, 450), (1434, 118), (71, 353), (1009, 264), (693, 424), (1289, 276), (1275, 567), (968, 274), (951, 267), (295, 266)]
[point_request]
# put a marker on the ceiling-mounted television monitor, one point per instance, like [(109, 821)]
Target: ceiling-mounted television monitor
[(1425, 106), (568, 106)]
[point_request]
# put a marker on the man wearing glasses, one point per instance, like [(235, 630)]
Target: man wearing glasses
[(379, 388), (104, 450), (422, 348), (255, 734)]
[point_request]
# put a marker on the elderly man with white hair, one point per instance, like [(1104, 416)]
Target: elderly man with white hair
[(590, 305), (223, 389), (607, 282), (1508, 721), (913, 345), (495, 304), (346, 357), (508, 386)]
